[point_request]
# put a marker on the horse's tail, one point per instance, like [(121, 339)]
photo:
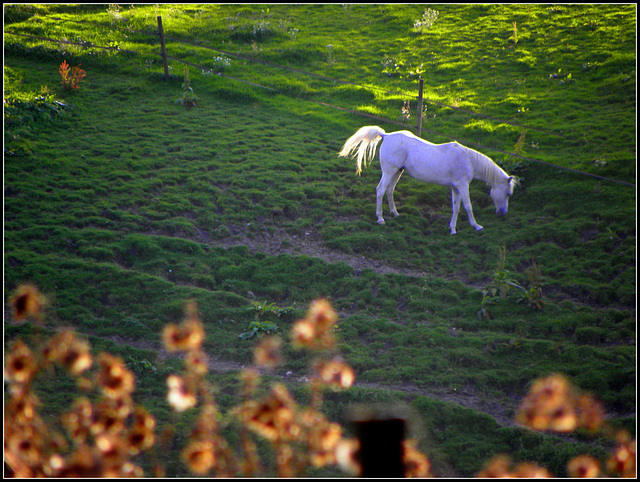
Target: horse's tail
[(365, 141)]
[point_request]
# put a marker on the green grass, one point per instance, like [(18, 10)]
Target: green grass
[(121, 205)]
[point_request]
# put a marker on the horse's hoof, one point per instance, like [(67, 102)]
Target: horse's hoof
[(479, 228), (381, 221)]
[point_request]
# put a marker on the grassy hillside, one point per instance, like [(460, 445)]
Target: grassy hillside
[(121, 204)]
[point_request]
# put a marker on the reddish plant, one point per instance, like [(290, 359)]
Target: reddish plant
[(71, 77)]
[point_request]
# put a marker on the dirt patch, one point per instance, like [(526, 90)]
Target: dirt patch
[(308, 244), (501, 411)]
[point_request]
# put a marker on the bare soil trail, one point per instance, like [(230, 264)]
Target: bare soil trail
[(502, 411)]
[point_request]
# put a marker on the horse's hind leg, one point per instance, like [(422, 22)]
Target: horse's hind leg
[(380, 190), (388, 175), (390, 189)]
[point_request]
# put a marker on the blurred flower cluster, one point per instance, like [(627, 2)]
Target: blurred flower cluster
[(501, 466), (554, 404), (104, 431), (98, 435)]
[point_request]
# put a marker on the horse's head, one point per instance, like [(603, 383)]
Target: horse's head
[(500, 193)]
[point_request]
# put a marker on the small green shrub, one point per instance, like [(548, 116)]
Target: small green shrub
[(188, 98)]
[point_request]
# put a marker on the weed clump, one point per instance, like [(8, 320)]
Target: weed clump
[(71, 77), (502, 285), (188, 98)]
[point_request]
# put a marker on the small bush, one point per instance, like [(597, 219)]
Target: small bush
[(71, 77), (429, 17)]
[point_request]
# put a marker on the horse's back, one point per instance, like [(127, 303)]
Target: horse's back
[(444, 164)]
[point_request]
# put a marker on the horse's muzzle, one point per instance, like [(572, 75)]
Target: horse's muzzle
[(501, 212)]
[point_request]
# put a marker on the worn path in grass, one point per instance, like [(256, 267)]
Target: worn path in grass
[(502, 411), (309, 244)]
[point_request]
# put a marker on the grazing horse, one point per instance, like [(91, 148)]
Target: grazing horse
[(450, 164)]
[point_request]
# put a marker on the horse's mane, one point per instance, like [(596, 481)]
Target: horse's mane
[(488, 171)]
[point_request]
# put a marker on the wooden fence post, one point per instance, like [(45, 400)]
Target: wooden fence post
[(163, 49), (381, 449), (419, 109)]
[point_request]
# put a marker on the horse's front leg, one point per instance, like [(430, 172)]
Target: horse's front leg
[(455, 205), (466, 202)]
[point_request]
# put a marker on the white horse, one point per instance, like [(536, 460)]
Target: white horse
[(450, 164)]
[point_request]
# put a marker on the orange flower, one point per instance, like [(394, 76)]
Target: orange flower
[(78, 421), (623, 459), (68, 350), (197, 361), (141, 436), (107, 420), (114, 378), (324, 439), (273, 417), (207, 422), (553, 391), (496, 468), (346, 456), (22, 406), (126, 470), (142, 420), (139, 439), (336, 373), (113, 450), (27, 301), (416, 464), (24, 445), (500, 467), (527, 470), (180, 396), (322, 315), (553, 404), (199, 456), (583, 467), (549, 405), (285, 460), (321, 435), (313, 331), (20, 365), (303, 334), (80, 464), (186, 336), (563, 419)]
